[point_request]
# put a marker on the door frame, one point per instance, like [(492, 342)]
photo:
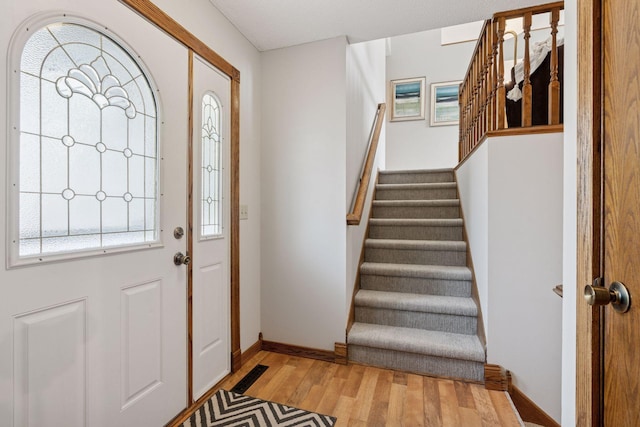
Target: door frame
[(589, 320), (159, 18)]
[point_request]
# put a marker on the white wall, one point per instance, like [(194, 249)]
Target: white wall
[(210, 26), (525, 250), (303, 194), (570, 216), (524, 258), (415, 144), (365, 90)]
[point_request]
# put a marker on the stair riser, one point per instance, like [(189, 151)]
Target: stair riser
[(403, 256), (403, 212), (418, 363), (416, 285), (410, 232), (410, 319), (417, 194), (415, 178)]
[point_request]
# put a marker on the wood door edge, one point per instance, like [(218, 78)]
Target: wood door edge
[(588, 390)]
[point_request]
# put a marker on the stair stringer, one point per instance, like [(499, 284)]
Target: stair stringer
[(474, 285)]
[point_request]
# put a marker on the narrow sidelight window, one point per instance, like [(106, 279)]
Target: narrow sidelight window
[(211, 168)]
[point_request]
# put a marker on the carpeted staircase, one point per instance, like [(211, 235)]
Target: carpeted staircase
[(414, 310)]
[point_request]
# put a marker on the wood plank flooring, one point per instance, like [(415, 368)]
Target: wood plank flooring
[(365, 396)]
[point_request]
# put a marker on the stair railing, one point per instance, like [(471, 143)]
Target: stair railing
[(357, 203), (482, 94)]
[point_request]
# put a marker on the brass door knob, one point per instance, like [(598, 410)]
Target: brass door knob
[(180, 258), (617, 295)]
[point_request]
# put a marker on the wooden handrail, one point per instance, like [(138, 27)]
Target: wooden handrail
[(534, 10), (483, 93), (354, 217)]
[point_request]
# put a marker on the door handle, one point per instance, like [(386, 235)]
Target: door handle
[(180, 258), (617, 294)]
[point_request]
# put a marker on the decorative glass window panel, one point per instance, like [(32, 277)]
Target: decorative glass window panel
[(87, 147), (211, 197)]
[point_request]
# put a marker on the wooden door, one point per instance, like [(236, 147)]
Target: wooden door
[(621, 220), (211, 214), (93, 309)]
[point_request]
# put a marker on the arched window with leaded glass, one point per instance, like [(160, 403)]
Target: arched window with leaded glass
[(86, 145), (211, 146)]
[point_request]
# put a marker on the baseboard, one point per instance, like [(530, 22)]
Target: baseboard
[(495, 378), (340, 351), (528, 410), (498, 378), (310, 353), (251, 351)]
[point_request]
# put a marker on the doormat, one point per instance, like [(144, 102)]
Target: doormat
[(230, 409), (248, 380)]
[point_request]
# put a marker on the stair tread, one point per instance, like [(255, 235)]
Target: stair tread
[(414, 171), (427, 222), (459, 306), (425, 245), (416, 270), (416, 186), (417, 203), (420, 341)]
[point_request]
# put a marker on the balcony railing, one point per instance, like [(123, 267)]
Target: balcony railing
[(529, 97)]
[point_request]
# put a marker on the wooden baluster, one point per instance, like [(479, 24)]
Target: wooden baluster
[(483, 86), (554, 84), (467, 98), (466, 112), (500, 92), (463, 118), (469, 117), (477, 101), (494, 75), (460, 120), (463, 122), (479, 77), (473, 99), (487, 78), (526, 85), (468, 108)]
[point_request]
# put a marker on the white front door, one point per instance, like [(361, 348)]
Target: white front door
[(93, 309), (211, 288)]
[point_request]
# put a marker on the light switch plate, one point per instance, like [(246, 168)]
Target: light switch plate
[(244, 211)]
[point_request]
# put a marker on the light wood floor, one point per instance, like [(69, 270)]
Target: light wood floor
[(368, 397)]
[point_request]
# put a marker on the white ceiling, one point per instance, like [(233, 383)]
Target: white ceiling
[(272, 24)]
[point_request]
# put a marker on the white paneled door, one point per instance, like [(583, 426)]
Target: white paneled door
[(211, 189), (93, 308)]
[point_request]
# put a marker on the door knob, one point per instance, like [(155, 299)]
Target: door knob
[(180, 258), (617, 295)]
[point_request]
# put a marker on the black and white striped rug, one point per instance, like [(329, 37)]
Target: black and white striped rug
[(230, 409)]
